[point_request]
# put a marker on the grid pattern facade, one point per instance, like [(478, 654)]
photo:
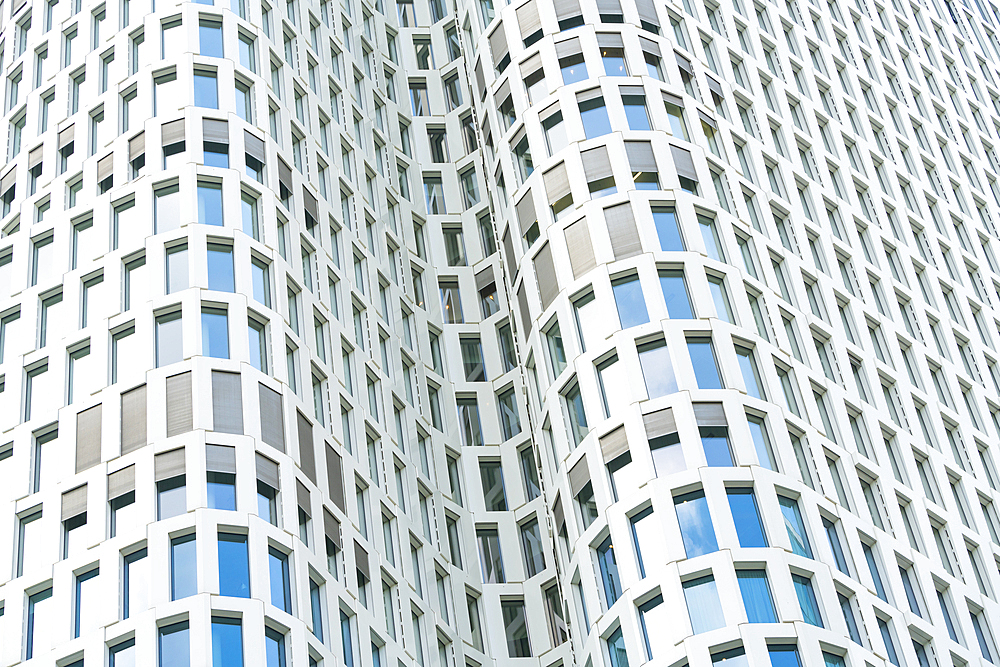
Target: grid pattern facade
[(426, 334)]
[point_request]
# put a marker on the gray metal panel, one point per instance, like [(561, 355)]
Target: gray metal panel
[(596, 163), (640, 156), (331, 528), (74, 502), (220, 458), (580, 247), (133, 419), (579, 475), (88, 437), (227, 402), (684, 163), (180, 415), (253, 146), (267, 472), (545, 274), (272, 423), (335, 478), (622, 230), (302, 497), (168, 465), (307, 450), (215, 131), (709, 414), (556, 182), (172, 132), (121, 482), (614, 444), (528, 20), (659, 423)]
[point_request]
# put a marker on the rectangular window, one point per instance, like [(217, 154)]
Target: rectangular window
[(756, 596), (183, 567), (704, 609), (695, 524), (234, 567), (746, 517), (227, 642)]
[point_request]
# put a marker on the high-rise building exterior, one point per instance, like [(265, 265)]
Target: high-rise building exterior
[(441, 334)]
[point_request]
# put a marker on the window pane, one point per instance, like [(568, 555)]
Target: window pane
[(746, 517), (704, 608), (227, 642), (706, 371), (676, 295), (234, 568), (695, 524), (807, 600), (174, 645), (795, 527), (630, 302), (183, 567), (756, 596)]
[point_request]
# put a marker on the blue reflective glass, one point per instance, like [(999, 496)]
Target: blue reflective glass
[(715, 442), (609, 571), (281, 596), (215, 334), (174, 645), (706, 372), (832, 660), (746, 517), (631, 305), (573, 69), (234, 566), (667, 230), (227, 642), (210, 39), (616, 649), (183, 567), (316, 606), (695, 524), (676, 295), (220, 269), (206, 91), (783, 655), (795, 527), (595, 119), (890, 646), (222, 491), (345, 638), (702, 598), (635, 113), (274, 648), (209, 204), (807, 600), (756, 596), (216, 156)]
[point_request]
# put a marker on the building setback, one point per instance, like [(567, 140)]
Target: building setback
[(565, 334)]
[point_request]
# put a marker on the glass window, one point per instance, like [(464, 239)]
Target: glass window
[(121, 654), (667, 229), (531, 545), (795, 527), (220, 268), (675, 294), (168, 339), (653, 616), (594, 115), (703, 606), (657, 369), (783, 655), (516, 628), (609, 571), (695, 523), (616, 649), (629, 300), (206, 90), (171, 497), (573, 68), (210, 38), (234, 566), (751, 376), (281, 592), (647, 539), (183, 567), (274, 648), (491, 474), (135, 583), (490, 558), (210, 203), (706, 370), (807, 600), (510, 422), (215, 333), (746, 517), (756, 596), (174, 645), (227, 642)]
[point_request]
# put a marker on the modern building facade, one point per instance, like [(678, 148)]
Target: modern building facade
[(565, 333)]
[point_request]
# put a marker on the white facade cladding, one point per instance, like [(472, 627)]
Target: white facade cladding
[(554, 333)]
